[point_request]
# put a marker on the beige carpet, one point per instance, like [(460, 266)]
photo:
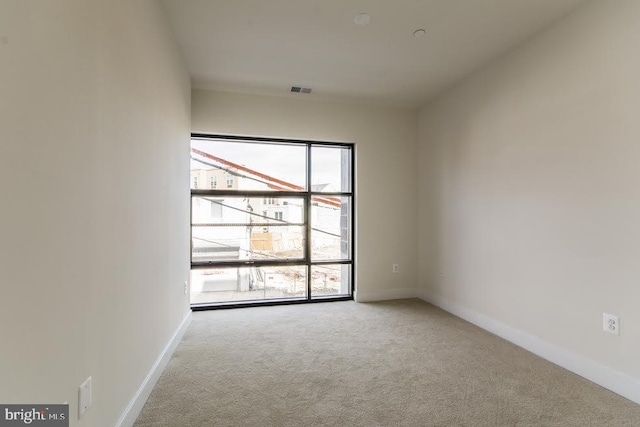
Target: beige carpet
[(396, 363)]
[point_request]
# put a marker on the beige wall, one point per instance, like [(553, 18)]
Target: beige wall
[(385, 172), (530, 187), (94, 136)]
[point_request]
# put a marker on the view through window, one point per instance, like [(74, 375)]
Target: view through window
[(280, 227)]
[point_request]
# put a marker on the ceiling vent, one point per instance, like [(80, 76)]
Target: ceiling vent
[(298, 89)]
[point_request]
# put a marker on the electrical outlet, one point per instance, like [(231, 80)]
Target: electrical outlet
[(84, 397), (395, 268), (186, 287), (611, 323)]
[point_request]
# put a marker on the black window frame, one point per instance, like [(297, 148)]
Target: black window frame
[(308, 195)]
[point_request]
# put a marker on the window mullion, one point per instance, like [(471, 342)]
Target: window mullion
[(307, 219)]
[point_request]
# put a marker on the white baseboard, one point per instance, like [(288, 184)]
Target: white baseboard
[(142, 394), (608, 378), (364, 296)]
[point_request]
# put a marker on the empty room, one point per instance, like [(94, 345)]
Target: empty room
[(319, 213)]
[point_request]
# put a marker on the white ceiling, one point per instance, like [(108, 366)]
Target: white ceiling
[(267, 46)]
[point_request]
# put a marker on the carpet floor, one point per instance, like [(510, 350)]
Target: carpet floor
[(394, 363)]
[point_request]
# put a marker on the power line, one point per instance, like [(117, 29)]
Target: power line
[(336, 203), (266, 217)]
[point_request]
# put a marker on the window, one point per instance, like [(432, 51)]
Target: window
[(271, 235), (214, 181)]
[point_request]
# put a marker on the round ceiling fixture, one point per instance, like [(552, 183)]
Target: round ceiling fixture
[(362, 19), (419, 32)]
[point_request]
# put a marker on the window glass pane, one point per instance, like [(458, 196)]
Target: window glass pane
[(241, 243), (234, 165), (330, 228), (250, 211), (228, 284), (330, 280), (330, 169)]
